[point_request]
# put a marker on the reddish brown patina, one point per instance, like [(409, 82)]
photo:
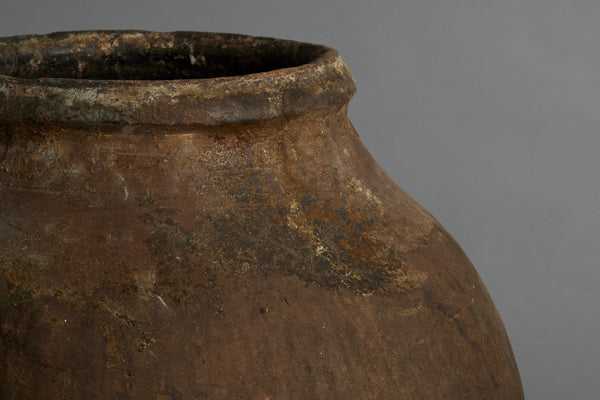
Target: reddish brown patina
[(193, 216)]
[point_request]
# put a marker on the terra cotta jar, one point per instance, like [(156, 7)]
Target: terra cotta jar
[(193, 216)]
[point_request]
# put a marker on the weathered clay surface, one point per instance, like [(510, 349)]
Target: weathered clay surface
[(235, 257), (166, 78)]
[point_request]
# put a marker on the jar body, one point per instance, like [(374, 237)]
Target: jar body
[(264, 259)]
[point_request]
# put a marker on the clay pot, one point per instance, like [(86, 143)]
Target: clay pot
[(193, 216)]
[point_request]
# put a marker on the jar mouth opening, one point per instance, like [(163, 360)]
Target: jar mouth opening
[(137, 55), (174, 78)]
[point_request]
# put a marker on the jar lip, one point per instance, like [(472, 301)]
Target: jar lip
[(59, 78)]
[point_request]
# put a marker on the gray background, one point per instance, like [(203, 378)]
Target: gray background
[(486, 112)]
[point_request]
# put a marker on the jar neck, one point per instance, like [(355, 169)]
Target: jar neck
[(66, 155)]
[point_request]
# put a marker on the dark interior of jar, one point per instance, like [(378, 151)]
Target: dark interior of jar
[(149, 56)]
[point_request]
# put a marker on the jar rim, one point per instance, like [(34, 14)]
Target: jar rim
[(211, 78)]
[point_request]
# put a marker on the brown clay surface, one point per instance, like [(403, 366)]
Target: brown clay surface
[(268, 258)]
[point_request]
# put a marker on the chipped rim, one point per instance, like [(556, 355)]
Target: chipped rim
[(321, 83)]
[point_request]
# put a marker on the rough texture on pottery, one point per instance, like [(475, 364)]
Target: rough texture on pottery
[(193, 216)]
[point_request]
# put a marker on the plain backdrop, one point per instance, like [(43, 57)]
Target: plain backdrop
[(486, 112)]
